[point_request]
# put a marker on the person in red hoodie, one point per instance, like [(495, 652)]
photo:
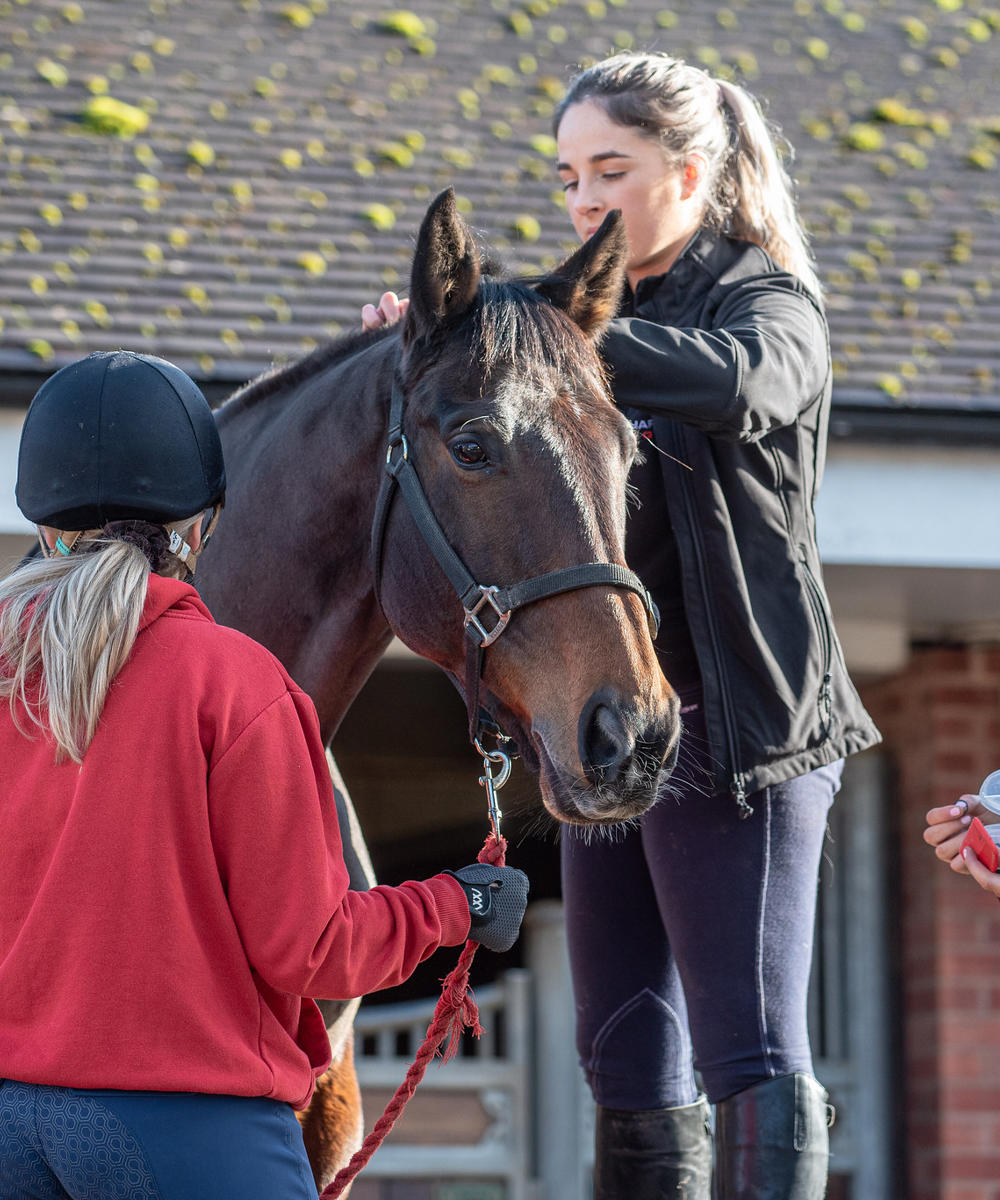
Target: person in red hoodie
[(172, 889)]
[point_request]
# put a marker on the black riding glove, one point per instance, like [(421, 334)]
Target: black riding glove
[(497, 899)]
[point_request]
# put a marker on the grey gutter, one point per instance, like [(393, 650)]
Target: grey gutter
[(937, 420)]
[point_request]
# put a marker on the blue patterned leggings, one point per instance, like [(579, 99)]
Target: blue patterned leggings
[(73, 1144)]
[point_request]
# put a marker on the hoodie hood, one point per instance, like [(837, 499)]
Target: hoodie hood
[(171, 594)]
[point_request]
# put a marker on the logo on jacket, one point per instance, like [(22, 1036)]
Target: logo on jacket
[(643, 427)]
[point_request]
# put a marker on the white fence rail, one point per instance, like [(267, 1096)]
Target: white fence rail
[(522, 1103), (491, 1074)]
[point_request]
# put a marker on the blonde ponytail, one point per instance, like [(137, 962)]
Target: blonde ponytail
[(748, 194), (67, 627)]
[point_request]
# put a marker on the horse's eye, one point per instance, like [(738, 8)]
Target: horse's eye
[(468, 453)]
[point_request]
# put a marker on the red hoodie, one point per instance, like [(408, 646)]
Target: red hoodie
[(165, 905)]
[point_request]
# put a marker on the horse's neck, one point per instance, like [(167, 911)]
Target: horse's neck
[(292, 567)]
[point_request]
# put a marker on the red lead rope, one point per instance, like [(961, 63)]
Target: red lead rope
[(455, 1011)]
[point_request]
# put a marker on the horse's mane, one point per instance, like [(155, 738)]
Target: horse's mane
[(289, 375)]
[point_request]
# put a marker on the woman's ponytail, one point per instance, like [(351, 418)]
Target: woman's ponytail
[(754, 192), (67, 627)]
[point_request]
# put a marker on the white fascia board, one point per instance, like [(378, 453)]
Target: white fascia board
[(910, 506), (11, 520)]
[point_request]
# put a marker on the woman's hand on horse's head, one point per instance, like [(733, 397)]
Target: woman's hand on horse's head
[(390, 310)]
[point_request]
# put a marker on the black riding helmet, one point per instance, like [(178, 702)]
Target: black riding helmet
[(118, 436)]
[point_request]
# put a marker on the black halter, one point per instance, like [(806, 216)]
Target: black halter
[(488, 607)]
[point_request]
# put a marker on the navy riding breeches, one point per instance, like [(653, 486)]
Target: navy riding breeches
[(74, 1144), (690, 935)]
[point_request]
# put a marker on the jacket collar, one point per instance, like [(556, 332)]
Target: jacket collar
[(694, 272)]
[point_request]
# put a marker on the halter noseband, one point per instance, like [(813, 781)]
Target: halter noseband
[(488, 607)]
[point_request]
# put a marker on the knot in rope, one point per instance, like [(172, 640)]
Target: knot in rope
[(494, 851)]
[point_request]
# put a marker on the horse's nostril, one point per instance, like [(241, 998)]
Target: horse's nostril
[(605, 747), (604, 739)]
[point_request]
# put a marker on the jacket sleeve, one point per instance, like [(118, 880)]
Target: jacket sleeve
[(278, 849), (763, 362)]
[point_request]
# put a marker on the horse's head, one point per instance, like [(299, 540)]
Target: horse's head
[(524, 458)]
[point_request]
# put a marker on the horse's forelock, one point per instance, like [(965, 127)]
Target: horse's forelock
[(516, 328)]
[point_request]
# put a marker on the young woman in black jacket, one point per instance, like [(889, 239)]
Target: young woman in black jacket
[(691, 934)]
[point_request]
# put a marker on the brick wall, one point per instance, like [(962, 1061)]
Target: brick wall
[(941, 723)]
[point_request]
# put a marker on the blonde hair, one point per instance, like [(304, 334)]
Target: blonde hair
[(67, 627), (748, 194)]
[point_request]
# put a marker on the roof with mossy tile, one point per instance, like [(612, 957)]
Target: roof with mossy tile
[(225, 182)]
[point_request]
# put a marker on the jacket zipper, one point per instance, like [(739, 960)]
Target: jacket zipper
[(736, 788), (824, 701)]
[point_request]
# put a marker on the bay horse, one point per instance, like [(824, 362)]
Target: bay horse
[(523, 459)]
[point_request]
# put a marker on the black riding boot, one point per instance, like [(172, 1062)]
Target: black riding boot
[(655, 1154), (771, 1141)]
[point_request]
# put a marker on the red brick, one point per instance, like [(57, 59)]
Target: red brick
[(965, 1135), (970, 1191), (981, 1101), (962, 695), (963, 762), (941, 723), (965, 964), (984, 1167), (948, 726)]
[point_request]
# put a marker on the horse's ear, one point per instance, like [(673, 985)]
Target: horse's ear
[(445, 275), (588, 285)]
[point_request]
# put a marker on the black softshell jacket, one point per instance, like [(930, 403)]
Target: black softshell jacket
[(730, 356)]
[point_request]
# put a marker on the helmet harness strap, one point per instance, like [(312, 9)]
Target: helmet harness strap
[(67, 540), (64, 545), (190, 560)]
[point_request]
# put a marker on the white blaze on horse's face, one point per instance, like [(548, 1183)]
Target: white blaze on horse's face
[(556, 419)]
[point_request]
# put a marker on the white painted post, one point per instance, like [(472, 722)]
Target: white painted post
[(560, 1151)]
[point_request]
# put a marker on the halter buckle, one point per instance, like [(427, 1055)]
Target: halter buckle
[(487, 595)]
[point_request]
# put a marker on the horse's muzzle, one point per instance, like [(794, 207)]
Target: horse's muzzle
[(624, 756)]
